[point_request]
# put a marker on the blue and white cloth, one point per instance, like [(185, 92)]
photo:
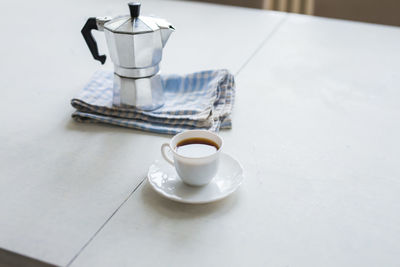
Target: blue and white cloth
[(202, 100)]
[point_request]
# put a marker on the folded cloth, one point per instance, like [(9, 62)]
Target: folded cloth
[(202, 100)]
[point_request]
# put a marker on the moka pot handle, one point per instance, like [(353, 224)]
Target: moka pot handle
[(91, 24)]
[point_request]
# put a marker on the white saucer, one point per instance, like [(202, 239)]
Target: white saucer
[(164, 179)]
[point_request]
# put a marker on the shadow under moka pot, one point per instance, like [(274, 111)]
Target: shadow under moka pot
[(135, 45)]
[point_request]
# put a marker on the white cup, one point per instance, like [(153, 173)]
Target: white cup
[(195, 171)]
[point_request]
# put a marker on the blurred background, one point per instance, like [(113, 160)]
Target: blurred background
[(375, 11)]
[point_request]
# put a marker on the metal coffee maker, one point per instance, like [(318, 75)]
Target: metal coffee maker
[(135, 45)]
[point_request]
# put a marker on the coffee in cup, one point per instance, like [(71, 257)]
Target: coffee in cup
[(195, 155)]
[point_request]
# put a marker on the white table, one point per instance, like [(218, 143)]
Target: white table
[(316, 126)]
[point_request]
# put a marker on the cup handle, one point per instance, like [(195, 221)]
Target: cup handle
[(164, 154)]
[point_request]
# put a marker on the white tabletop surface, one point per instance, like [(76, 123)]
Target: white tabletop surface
[(60, 181), (315, 125)]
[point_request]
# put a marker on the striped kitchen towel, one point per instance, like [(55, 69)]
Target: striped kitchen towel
[(202, 100)]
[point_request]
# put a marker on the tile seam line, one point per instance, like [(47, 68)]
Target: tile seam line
[(104, 224), (262, 44)]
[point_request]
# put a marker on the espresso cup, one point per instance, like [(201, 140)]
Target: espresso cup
[(195, 162)]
